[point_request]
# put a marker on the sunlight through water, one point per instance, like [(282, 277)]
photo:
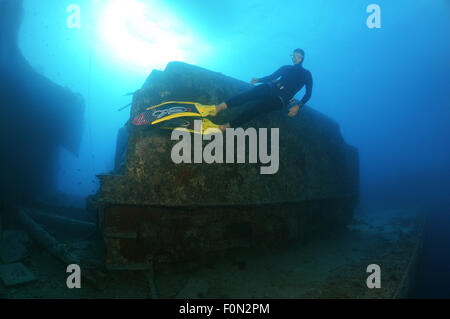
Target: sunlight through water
[(144, 35)]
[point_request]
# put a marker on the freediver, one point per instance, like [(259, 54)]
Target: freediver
[(276, 91)]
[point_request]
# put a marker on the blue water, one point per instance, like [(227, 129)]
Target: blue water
[(433, 278), (387, 88)]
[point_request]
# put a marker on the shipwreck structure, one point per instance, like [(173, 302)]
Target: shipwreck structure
[(37, 117), (151, 209)]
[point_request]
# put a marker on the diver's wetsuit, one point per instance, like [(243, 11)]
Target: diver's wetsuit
[(273, 94)]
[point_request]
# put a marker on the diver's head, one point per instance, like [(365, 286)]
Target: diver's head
[(298, 56)]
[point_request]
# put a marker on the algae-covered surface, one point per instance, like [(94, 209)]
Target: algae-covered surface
[(333, 267), (314, 161)]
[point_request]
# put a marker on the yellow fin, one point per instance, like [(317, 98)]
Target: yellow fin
[(206, 110), (207, 124)]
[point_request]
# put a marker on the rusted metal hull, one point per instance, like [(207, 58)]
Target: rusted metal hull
[(136, 235), (153, 209)]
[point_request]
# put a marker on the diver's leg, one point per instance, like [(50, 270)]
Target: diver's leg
[(264, 105), (220, 107), (224, 127), (241, 98)]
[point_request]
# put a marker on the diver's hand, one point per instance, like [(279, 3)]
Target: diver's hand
[(254, 80), (293, 110)]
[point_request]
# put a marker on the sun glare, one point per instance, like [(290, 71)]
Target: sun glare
[(143, 35)]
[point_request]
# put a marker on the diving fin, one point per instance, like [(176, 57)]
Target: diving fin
[(206, 110), (208, 125), (189, 125)]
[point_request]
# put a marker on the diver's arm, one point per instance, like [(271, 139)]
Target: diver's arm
[(309, 86), (275, 75), (294, 109)]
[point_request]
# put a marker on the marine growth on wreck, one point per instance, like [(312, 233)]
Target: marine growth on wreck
[(223, 150)]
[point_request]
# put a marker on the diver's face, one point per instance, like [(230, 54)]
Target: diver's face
[(297, 58)]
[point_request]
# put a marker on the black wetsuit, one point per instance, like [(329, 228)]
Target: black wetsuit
[(273, 94)]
